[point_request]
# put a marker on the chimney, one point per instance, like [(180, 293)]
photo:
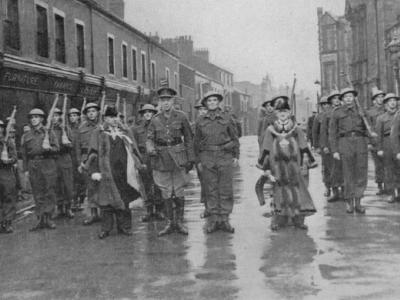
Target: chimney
[(203, 53), (117, 7), (320, 12)]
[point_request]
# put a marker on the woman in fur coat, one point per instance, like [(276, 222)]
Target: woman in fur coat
[(284, 146)]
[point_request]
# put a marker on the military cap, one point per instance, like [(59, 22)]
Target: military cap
[(281, 103), (74, 111), (111, 111), (323, 100), (390, 96), (376, 93), (346, 91), (198, 105), (332, 95), (36, 112), (57, 111), (166, 92), (211, 94), (149, 107), (90, 105)]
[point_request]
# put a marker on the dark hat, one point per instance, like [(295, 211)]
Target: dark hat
[(166, 92), (376, 92), (323, 100), (281, 103), (148, 107), (332, 95), (264, 104), (36, 112), (90, 105), (111, 111), (348, 90), (57, 111), (211, 94), (274, 99), (390, 96), (74, 111)]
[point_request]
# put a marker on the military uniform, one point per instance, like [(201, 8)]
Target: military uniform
[(8, 191), (395, 143), (348, 137), (265, 119), (78, 179)]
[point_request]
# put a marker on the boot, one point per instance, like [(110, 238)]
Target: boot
[(2, 226), (335, 195), (393, 197), (298, 222), (94, 217), (224, 225), (274, 222), (327, 192), (60, 212), (39, 225), (212, 225), (341, 193), (169, 228), (349, 206), (48, 223), (68, 212), (180, 209), (148, 217), (381, 191), (7, 227), (359, 209)]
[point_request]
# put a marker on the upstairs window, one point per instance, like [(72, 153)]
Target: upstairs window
[(329, 38), (124, 61), (42, 33), (143, 67), (134, 64), (60, 38), (11, 25), (80, 45), (153, 74), (167, 76), (110, 42)]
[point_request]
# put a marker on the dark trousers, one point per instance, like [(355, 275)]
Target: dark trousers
[(43, 178), (65, 184), (327, 168), (336, 173), (123, 218), (379, 167), (389, 161), (8, 194), (354, 156)]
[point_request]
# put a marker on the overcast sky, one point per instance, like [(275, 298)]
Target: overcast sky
[(247, 37)]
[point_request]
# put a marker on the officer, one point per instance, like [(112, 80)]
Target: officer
[(8, 188), (372, 114), (170, 143), (79, 186), (65, 186), (268, 118), (154, 204), (384, 125), (38, 151), (333, 167), (349, 143), (86, 130), (216, 147), (316, 136)]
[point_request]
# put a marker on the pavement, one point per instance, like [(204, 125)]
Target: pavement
[(340, 257)]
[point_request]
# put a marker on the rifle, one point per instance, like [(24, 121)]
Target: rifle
[(361, 111), (46, 140), (292, 96), (64, 138), (103, 107), (83, 108), (124, 112), (4, 152)]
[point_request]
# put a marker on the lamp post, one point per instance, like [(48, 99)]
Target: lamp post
[(394, 50), (319, 87)]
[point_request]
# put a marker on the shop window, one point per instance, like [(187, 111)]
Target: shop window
[(60, 38), (80, 45), (42, 33), (11, 25)]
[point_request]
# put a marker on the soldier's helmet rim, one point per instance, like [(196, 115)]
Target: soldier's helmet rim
[(211, 94), (390, 96), (74, 111), (91, 105), (36, 112), (348, 90), (147, 107)]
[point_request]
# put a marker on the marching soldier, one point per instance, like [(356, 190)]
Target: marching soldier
[(316, 136), (384, 125), (334, 167), (348, 139), (79, 186), (40, 167), (154, 205), (8, 191), (216, 147), (86, 130), (63, 160), (373, 113)]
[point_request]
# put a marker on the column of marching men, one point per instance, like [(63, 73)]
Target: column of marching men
[(91, 153)]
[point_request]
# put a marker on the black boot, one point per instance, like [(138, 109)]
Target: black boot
[(2, 226), (358, 208), (7, 227), (349, 205), (224, 225), (48, 223), (94, 217), (298, 222), (149, 213), (393, 197), (39, 225), (60, 212), (212, 225), (335, 195), (381, 191), (180, 209), (170, 227), (68, 212), (327, 192), (341, 193)]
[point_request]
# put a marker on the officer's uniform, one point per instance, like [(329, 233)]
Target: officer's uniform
[(42, 170), (216, 144), (372, 114), (170, 142), (384, 124), (8, 191), (348, 137)]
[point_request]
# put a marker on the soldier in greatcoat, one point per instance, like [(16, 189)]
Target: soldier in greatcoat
[(170, 144)]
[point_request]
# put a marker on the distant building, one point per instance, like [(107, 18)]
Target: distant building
[(392, 42), (244, 111)]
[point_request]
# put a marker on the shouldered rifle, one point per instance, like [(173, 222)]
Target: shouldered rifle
[(102, 107), (64, 139), (83, 108), (4, 152), (46, 140), (124, 112)]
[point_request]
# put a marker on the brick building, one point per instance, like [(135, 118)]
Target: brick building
[(77, 47), (243, 108)]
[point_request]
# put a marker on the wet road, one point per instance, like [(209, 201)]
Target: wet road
[(340, 257)]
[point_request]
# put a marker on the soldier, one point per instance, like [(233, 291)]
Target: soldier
[(86, 130), (79, 185), (268, 118), (8, 188), (216, 147), (65, 187), (333, 167), (170, 143), (154, 205), (373, 113), (395, 142), (40, 167), (348, 139), (316, 136)]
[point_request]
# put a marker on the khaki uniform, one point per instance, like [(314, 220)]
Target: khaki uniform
[(318, 137), (8, 191), (78, 179), (395, 142)]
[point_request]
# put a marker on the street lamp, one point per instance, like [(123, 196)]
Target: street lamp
[(318, 84), (394, 50)]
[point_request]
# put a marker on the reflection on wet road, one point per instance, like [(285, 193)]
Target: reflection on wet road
[(340, 257)]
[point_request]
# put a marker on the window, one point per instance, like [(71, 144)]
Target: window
[(134, 64), (176, 81), (167, 76), (124, 60), (153, 74), (143, 67), (42, 38), (60, 38), (80, 44), (329, 76), (11, 25), (111, 55)]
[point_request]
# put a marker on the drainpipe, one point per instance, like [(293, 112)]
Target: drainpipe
[(91, 41), (378, 79)]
